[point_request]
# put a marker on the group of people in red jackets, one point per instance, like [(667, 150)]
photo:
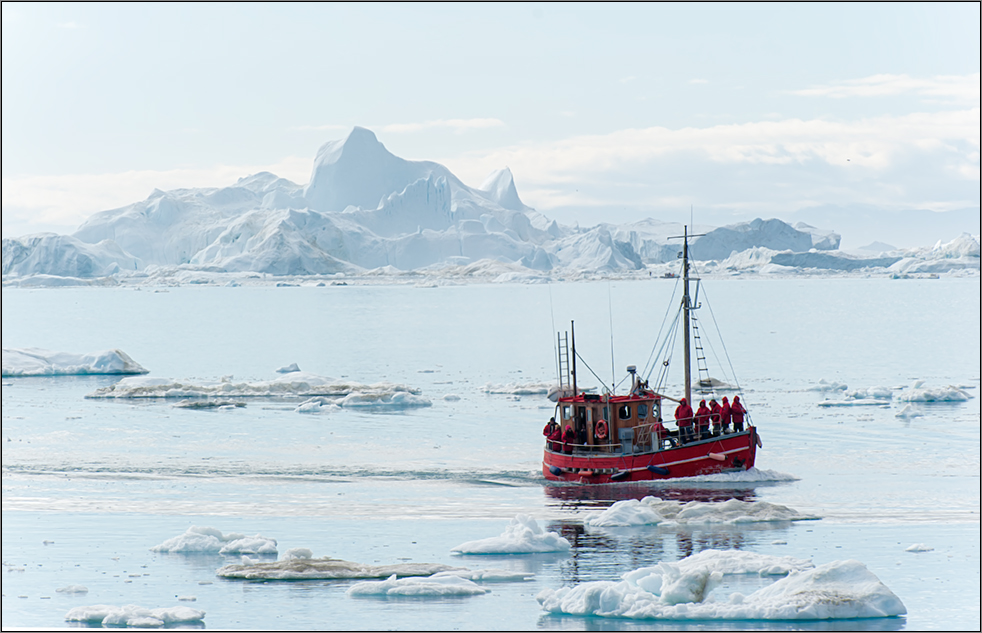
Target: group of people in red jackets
[(557, 440), (696, 426)]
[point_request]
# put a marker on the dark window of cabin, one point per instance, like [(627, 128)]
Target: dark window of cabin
[(642, 411), (624, 412)]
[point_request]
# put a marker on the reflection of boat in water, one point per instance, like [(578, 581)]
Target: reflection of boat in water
[(603, 496), (621, 438)]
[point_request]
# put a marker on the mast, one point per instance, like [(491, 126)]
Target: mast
[(572, 332), (686, 306)]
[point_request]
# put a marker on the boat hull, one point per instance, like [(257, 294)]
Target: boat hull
[(726, 453)]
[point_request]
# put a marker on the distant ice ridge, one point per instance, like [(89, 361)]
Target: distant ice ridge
[(655, 511), (293, 384), (523, 535), (885, 395), (684, 591), (208, 540), (32, 361), (133, 615), (307, 568), (530, 388)]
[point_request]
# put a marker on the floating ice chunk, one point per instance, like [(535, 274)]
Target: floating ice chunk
[(870, 393), (919, 547), (133, 615), (325, 569), (942, 394), (294, 384), (317, 405), (288, 369), (678, 591), (424, 587), (518, 389), (73, 589), (522, 536), (652, 511), (909, 411), (32, 361), (208, 540), (208, 404), (376, 400), (488, 575), (450, 397), (298, 553), (824, 386)]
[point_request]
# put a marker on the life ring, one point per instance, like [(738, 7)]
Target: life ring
[(600, 431)]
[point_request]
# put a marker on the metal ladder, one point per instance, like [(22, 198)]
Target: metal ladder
[(705, 385), (565, 380)]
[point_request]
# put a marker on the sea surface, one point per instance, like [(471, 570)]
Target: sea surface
[(91, 485)]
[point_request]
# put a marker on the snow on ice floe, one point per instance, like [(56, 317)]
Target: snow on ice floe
[(684, 591), (655, 511), (133, 615), (294, 384), (32, 361), (437, 585), (73, 589), (208, 540), (523, 535), (325, 569), (824, 386), (288, 369), (918, 393)]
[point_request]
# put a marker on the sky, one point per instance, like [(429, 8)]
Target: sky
[(603, 112)]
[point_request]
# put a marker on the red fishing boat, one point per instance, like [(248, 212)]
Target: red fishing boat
[(607, 437)]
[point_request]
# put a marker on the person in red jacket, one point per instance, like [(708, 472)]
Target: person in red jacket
[(715, 416), (725, 415), (569, 438), (549, 430), (683, 418), (702, 421), (737, 412)]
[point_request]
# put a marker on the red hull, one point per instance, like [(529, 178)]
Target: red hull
[(726, 453)]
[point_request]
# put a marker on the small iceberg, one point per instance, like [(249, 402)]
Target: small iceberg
[(438, 585), (32, 361), (655, 511), (682, 591), (522, 536), (306, 568)]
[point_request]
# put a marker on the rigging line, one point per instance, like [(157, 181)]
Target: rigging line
[(723, 343), (610, 316), (662, 378), (647, 371), (591, 370), (668, 342)]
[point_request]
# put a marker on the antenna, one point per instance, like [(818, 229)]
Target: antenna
[(610, 316)]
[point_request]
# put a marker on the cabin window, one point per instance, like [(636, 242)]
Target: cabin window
[(642, 411), (624, 412), (566, 412)]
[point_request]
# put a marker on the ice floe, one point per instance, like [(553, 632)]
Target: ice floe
[(530, 388), (295, 384), (684, 591), (418, 587), (523, 535), (655, 511), (208, 540), (325, 569), (824, 386), (32, 361), (918, 393), (73, 589), (288, 369), (133, 615), (919, 547)]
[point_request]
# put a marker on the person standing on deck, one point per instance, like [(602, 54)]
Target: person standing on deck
[(725, 415), (702, 421), (736, 413), (569, 438), (683, 418), (715, 414)]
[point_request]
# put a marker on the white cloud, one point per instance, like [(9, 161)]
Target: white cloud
[(457, 125), (959, 88)]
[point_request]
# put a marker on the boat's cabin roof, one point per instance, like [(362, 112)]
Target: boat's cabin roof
[(594, 398)]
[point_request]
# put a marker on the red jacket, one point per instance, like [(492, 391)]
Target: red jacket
[(702, 416), (715, 413), (737, 411), (683, 414), (725, 413)]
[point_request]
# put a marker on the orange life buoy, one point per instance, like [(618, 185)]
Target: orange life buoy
[(600, 431)]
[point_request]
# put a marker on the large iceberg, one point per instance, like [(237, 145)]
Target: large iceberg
[(366, 211)]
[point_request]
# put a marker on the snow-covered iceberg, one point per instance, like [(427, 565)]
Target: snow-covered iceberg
[(655, 511), (32, 361), (208, 540), (437, 585), (523, 535), (684, 591)]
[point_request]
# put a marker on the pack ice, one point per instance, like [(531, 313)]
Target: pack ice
[(367, 211)]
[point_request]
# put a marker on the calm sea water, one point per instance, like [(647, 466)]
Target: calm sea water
[(89, 486)]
